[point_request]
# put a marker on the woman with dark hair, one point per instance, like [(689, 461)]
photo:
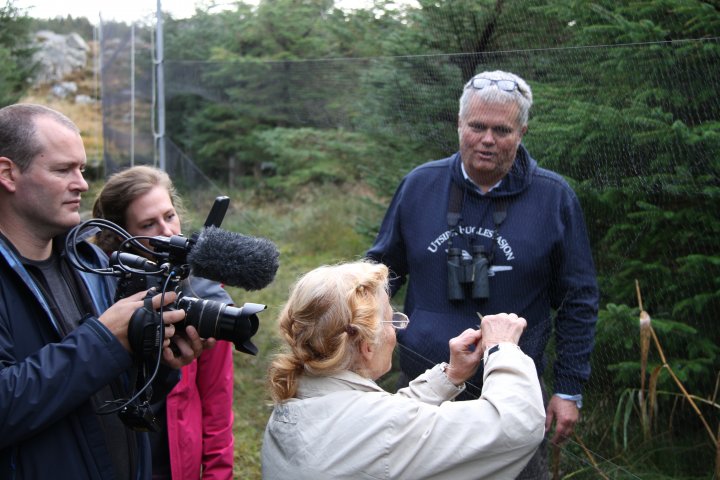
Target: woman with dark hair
[(196, 440)]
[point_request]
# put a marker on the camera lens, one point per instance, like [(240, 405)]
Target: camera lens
[(222, 321)]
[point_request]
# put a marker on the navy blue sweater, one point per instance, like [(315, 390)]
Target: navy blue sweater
[(541, 268)]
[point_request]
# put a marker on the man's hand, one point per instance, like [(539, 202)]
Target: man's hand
[(565, 414), (117, 317), (465, 356), (184, 346)]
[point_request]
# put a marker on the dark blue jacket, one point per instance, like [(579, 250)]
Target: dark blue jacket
[(541, 264), (48, 428)]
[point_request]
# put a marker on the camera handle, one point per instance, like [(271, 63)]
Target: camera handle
[(145, 337), (144, 329)]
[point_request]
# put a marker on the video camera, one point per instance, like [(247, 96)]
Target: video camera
[(225, 257), (214, 254), (172, 264)]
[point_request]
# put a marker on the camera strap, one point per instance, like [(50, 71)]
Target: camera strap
[(500, 205), (454, 205)]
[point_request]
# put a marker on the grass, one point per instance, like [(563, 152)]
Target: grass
[(310, 231), (314, 228), (87, 117)]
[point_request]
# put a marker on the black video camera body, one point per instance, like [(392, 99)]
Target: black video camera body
[(468, 273), (223, 257), (210, 318)]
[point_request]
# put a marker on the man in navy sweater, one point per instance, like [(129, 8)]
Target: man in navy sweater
[(488, 231)]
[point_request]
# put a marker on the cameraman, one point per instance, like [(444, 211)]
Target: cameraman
[(64, 350), (196, 417)]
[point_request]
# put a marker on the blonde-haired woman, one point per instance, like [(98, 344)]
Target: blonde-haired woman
[(331, 420)]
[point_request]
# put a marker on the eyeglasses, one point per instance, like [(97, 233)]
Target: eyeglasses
[(399, 320), (505, 85)]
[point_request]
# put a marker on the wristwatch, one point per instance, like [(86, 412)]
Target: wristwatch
[(497, 347)]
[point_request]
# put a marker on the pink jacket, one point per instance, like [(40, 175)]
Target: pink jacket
[(200, 417)]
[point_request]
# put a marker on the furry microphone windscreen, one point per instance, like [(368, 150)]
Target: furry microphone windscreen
[(234, 259)]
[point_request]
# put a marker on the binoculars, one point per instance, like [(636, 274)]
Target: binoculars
[(468, 274)]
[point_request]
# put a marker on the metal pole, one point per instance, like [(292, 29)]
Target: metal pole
[(160, 89), (97, 91), (132, 94), (101, 96)]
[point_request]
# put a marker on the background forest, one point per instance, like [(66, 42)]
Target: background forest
[(308, 115)]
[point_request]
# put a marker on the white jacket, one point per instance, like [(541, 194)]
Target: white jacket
[(347, 427)]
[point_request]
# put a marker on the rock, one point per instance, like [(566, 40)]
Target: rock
[(84, 100), (64, 89), (58, 56)]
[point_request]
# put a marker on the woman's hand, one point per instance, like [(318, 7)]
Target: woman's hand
[(467, 349), (465, 356), (501, 328)]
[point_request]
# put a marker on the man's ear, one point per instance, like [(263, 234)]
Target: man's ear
[(8, 173)]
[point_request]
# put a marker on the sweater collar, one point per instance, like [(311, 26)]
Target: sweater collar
[(517, 179), (470, 181)]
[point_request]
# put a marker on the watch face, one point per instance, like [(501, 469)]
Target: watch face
[(493, 349)]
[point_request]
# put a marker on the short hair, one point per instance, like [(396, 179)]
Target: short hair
[(121, 189), (522, 95), (18, 131), (330, 311)]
